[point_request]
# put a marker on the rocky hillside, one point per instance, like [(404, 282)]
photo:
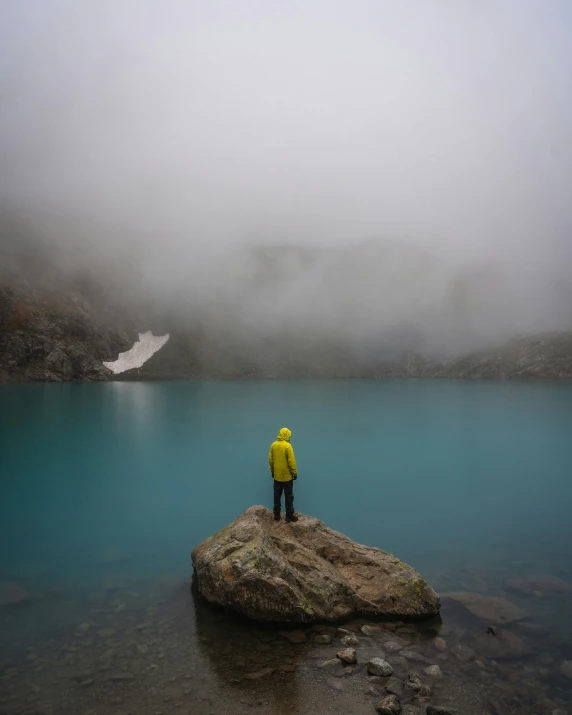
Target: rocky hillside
[(539, 357), (56, 324), (60, 324)]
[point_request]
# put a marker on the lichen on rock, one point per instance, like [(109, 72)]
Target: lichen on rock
[(304, 572)]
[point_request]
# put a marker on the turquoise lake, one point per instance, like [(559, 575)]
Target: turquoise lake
[(469, 482)]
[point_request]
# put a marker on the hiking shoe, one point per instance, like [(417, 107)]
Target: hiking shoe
[(276, 517), (292, 517)]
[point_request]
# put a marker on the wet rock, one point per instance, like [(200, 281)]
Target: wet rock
[(424, 694), (414, 682), (566, 668), (440, 643), (350, 640), (406, 630), (463, 652), (394, 686), (323, 639), (389, 705), (12, 595), (347, 656), (370, 630), (392, 646), (505, 645), (264, 673), (376, 680), (346, 672), (434, 671), (83, 627), (294, 636), (304, 572), (413, 655), (330, 665), (440, 710), (490, 608), (378, 666)]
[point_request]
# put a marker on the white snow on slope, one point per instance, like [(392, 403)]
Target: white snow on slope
[(144, 348)]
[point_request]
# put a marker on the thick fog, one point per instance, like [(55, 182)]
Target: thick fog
[(365, 172)]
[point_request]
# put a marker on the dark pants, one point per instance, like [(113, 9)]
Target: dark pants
[(288, 488)]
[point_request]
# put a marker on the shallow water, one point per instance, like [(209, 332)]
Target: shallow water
[(106, 488)]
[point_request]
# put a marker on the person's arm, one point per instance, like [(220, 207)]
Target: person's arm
[(291, 461), (271, 461)]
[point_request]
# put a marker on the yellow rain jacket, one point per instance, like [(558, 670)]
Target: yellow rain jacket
[(281, 457)]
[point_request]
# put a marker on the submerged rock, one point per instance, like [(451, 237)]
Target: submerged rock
[(347, 656), (490, 608), (350, 639), (504, 644), (390, 705), (379, 666), (302, 572), (11, 594)]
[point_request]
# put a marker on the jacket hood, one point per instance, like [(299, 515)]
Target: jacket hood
[(284, 434)]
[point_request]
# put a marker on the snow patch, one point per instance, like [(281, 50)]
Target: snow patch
[(142, 350)]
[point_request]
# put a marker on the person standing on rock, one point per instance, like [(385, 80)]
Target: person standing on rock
[(283, 469)]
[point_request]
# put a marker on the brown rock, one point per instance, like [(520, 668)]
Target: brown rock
[(370, 630), (440, 643), (303, 572), (347, 656), (11, 594), (294, 636), (323, 639), (490, 608), (350, 639), (389, 705), (463, 652), (505, 645), (434, 671)]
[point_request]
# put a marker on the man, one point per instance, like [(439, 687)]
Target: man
[(283, 469)]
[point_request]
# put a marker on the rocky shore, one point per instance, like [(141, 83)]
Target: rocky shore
[(131, 645)]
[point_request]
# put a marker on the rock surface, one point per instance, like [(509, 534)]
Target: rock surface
[(11, 594), (379, 666), (504, 644), (303, 572), (490, 608), (389, 705)]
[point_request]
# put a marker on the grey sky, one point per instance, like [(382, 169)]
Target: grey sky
[(195, 126)]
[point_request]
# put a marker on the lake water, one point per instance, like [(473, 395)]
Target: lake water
[(106, 488)]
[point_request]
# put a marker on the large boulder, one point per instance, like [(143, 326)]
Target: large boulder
[(304, 571)]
